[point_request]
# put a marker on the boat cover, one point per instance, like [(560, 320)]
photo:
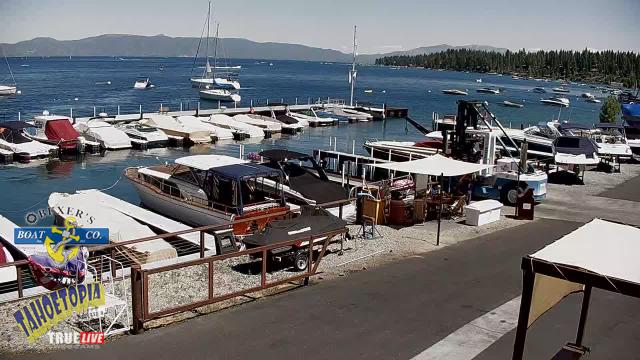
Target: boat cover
[(631, 110), (313, 221), (283, 155), (60, 129), (11, 131), (574, 145), (248, 170)]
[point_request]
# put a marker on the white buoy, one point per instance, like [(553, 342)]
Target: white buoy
[(108, 82), (75, 99), (45, 113), (19, 92)]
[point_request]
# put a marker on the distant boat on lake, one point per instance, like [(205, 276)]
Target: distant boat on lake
[(455, 92)]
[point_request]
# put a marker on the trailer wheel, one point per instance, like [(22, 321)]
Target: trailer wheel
[(509, 194), (301, 260)]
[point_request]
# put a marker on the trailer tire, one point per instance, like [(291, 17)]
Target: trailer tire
[(301, 260), (509, 193)]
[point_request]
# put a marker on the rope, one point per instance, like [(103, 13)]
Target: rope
[(43, 199)]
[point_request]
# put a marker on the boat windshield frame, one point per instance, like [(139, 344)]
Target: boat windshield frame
[(242, 178)]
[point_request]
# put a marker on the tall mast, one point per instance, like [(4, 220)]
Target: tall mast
[(215, 48), (206, 66), (352, 73), (8, 67)]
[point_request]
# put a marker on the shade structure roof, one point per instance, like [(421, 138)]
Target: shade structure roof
[(601, 247), (434, 165), (206, 162)]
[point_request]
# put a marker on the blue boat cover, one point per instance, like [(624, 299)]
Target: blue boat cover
[(631, 110), (242, 171)]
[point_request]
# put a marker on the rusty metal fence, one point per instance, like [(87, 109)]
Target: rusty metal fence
[(140, 277)]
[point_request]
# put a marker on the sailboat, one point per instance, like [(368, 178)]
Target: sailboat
[(8, 89), (208, 79)]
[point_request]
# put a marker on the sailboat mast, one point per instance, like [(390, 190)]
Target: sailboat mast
[(215, 48), (352, 73), (8, 67), (206, 67)]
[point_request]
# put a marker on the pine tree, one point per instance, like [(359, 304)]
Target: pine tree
[(610, 110)]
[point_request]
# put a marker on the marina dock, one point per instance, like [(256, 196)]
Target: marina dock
[(149, 218)]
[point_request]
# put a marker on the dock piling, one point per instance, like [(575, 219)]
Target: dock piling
[(353, 148), (19, 117), (118, 109), (94, 111)]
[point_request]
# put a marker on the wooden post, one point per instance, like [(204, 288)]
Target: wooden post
[(201, 244), (528, 277), (137, 290), (586, 297)]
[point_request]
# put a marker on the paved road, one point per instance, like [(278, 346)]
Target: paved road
[(628, 190), (394, 311)]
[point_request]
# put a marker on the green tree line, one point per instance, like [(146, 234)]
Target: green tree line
[(591, 66)]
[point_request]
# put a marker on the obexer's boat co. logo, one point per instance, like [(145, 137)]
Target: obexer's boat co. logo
[(34, 217), (62, 244)]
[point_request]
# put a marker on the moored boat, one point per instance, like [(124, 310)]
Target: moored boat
[(13, 139), (56, 130), (455, 92), (488, 90), (512, 104), (173, 128), (109, 137), (556, 101), (204, 190)]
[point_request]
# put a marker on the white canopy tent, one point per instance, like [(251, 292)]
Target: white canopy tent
[(600, 254), (435, 165)]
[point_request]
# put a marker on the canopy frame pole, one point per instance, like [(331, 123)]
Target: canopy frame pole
[(440, 209), (586, 299), (528, 278)]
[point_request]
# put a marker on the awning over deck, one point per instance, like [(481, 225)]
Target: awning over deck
[(434, 165)]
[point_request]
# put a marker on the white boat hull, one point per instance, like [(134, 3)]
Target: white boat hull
[(7, 90), (179, 209), (219, 95)]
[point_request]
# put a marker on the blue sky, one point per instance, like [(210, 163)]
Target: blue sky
[(383, 25)]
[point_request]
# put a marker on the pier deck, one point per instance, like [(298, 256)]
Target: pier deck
[(149, 218)]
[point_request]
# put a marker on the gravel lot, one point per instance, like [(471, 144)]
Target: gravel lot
[(190, 284)]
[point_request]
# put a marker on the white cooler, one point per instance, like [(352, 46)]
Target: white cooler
[(482, 212)]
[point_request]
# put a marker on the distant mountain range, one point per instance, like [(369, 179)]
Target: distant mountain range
[(161, 45)]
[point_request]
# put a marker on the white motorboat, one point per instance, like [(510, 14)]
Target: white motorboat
[(6, 90), (560, 90), (267, 124), (56, 130), (107, 135), (488, 90), (142, 84), (593, 100), (121, 227), (512, 104), (455, 92), (611, 140), (204, 190), (220, 95), (587, 95), (575, 150), (352, 115), (143, 134), (226, 83), (313, 119), (289, 124), (215, 131), (173, 128), (13, 139), (556, 101), (238, 127), (539, 90)]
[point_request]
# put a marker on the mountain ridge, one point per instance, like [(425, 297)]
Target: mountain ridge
[(163, 45)]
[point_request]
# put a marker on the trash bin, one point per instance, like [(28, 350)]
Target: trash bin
[(525, 205)]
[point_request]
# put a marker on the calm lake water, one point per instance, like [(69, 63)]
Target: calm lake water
[(61, 84)]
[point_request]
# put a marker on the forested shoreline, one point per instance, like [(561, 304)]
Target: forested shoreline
[(584, 66)]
